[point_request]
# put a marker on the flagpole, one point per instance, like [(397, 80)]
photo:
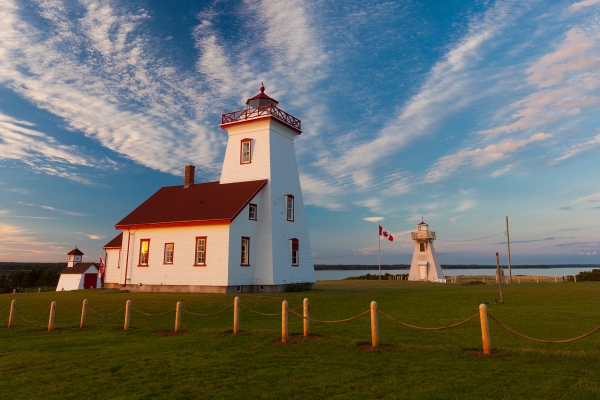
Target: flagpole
[(379, 250)]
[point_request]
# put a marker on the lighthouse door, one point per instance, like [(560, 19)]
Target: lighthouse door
[(423, 271)]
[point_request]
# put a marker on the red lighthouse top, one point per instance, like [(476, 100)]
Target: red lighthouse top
[(261, 99), (261, 106)]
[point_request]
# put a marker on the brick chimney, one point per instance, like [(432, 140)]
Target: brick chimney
[(188, 179)]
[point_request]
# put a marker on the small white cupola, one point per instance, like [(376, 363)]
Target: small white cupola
[(422, 226), (261, 99), (75, 256)]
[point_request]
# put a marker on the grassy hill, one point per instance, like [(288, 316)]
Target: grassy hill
[(206, 361)]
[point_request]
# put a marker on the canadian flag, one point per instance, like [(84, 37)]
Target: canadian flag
[(101, 267), (385, 234)]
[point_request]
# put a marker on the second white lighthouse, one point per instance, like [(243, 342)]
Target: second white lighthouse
[(425, 265)]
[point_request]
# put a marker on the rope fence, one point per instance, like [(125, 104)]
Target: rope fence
[(26, 320), (429, 329), (209, 314), (105, 315), (152, 315), (542, 340), (285, 310)]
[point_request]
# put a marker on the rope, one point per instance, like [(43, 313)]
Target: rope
[(152, 315), (470, 240), (105, 315), (331, 322), (546, 341), (207, 315), (1, 311), (31, 322), (429, 329), (258, 312)]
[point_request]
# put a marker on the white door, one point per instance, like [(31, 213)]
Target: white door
[(423, 271)]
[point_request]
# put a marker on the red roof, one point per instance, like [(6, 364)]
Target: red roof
[(261, 95), (75, 252), (116, 243), (199, 204), (78, 268)]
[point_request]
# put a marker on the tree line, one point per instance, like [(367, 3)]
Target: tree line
[(33, 278)]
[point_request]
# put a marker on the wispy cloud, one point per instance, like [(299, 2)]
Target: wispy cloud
[(465, 205), (593, 198), (565, 208), (102, 75), (583, 4), (50, 208)]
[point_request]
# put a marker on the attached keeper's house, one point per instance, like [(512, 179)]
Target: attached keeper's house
[(245, 233)]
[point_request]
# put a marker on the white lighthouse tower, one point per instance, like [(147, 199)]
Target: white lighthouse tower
[(425, 265), (261, 146)]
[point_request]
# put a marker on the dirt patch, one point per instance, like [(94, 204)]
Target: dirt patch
[(370, 349), (479, 353), (473, 283), (169, 333)]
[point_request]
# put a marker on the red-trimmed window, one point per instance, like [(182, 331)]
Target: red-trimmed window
[(252, 211), (295, 252), (169, 250), (245, 261), (246, 151), (144, 251), (289, 207), (200, 259)]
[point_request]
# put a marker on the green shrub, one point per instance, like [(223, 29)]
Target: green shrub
[(299, 287), (593, 275)]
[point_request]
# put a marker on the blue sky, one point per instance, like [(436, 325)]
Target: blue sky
[(462, 112)]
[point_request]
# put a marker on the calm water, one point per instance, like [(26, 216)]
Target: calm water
[(336, 275)]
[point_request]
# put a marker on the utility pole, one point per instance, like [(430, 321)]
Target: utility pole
[(379, 249), (508, 245), (499, 275)]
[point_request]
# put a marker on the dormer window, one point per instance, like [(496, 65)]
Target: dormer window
[(246, 151), (289, 207)]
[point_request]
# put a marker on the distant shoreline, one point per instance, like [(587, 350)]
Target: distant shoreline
[(388, 267)]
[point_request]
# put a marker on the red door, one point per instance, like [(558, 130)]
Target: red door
[(89, 281)]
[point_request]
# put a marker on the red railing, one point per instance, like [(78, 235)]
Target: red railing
[(261, 111)]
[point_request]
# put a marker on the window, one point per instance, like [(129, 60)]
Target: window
[(144, 251), (200, 251), (169, 253), (246, 151), (421, 246), (252, 212), (289, 207), (295, 252), (245, 251)]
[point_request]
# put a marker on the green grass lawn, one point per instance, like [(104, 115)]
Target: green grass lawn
[(206, 361)]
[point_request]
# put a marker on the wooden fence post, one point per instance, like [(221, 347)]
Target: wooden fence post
[(518, 279), (83, 313), (555, 280), (127, 315), (178, 317), (236, 315), (306, 313), (52, 315), (485, 329), (11, 316), (284, 322), (499, 277), (575, 278), (374, 325)]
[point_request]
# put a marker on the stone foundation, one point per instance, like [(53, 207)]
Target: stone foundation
[(199, 288)]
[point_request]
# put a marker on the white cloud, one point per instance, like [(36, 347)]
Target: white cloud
[(104, 78), (583, 4), (465, 205), (72, 213), (594, 198), (373, 219), (454, 219)]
